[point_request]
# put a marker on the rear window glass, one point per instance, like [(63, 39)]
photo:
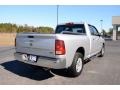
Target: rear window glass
[(75, 28)]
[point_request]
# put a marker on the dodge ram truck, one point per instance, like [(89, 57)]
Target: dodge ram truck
[(67, 48)]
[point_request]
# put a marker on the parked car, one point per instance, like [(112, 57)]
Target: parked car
[(68, 48)]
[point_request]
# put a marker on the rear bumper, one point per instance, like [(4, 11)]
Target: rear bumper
[(55, 63)]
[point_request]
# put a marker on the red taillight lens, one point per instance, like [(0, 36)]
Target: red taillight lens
[(59, 47)]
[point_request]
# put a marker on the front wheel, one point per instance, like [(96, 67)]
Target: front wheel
[(102, 52), (77, 65)]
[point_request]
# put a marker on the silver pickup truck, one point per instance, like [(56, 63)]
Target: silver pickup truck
[(68, 48)]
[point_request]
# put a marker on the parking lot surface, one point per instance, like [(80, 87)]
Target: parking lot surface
[(101, 71)]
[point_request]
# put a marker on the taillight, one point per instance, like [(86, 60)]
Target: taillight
[(59, 47)]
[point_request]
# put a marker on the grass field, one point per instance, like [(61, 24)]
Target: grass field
[(7, 39)]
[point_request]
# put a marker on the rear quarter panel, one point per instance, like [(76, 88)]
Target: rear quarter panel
[(72, 43)]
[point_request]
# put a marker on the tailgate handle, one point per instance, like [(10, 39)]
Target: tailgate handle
[(30, 36)]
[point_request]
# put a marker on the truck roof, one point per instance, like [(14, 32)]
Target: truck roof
[(72, 23)]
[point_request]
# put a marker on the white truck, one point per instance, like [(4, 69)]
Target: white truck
[(68, 48)]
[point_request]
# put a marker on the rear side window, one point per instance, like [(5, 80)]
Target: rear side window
[(75, 28)]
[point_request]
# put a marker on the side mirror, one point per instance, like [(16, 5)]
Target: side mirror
[(99, 35)]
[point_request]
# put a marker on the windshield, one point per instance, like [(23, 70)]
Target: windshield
[(75, 28)]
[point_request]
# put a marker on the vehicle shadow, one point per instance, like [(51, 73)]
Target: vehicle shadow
[(61, 72), (26, 70), (34, 72)]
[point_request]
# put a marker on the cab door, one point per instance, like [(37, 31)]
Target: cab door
[(95, 40)]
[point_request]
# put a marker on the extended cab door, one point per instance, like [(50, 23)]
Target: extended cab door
[(95, 40)]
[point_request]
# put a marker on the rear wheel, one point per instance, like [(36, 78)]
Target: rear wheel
[(76, 68)]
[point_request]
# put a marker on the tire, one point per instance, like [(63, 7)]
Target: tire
[(102, 52), (77, 65)]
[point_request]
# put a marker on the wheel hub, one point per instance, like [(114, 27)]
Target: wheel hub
[(79, 65), (103, 51)]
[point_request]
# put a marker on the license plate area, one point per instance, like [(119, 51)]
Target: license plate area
[(31, 58)]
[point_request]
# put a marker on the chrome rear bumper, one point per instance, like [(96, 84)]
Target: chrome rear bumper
[(55, 63)]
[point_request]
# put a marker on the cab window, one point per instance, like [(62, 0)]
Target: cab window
[(75, 28), (93, 30)]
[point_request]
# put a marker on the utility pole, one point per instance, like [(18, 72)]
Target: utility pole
[(57, 13), (101, 24)]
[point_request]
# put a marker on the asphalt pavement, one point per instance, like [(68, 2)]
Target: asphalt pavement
[(98, 71)]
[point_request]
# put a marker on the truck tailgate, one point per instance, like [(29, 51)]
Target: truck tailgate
[(36, 44)]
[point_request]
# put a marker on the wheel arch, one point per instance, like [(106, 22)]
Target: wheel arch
[(81, 50), (103, 44)]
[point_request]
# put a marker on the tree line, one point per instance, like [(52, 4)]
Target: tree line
[(110, 32), (14, 28)]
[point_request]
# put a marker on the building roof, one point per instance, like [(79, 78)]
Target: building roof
[(115, 20)]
